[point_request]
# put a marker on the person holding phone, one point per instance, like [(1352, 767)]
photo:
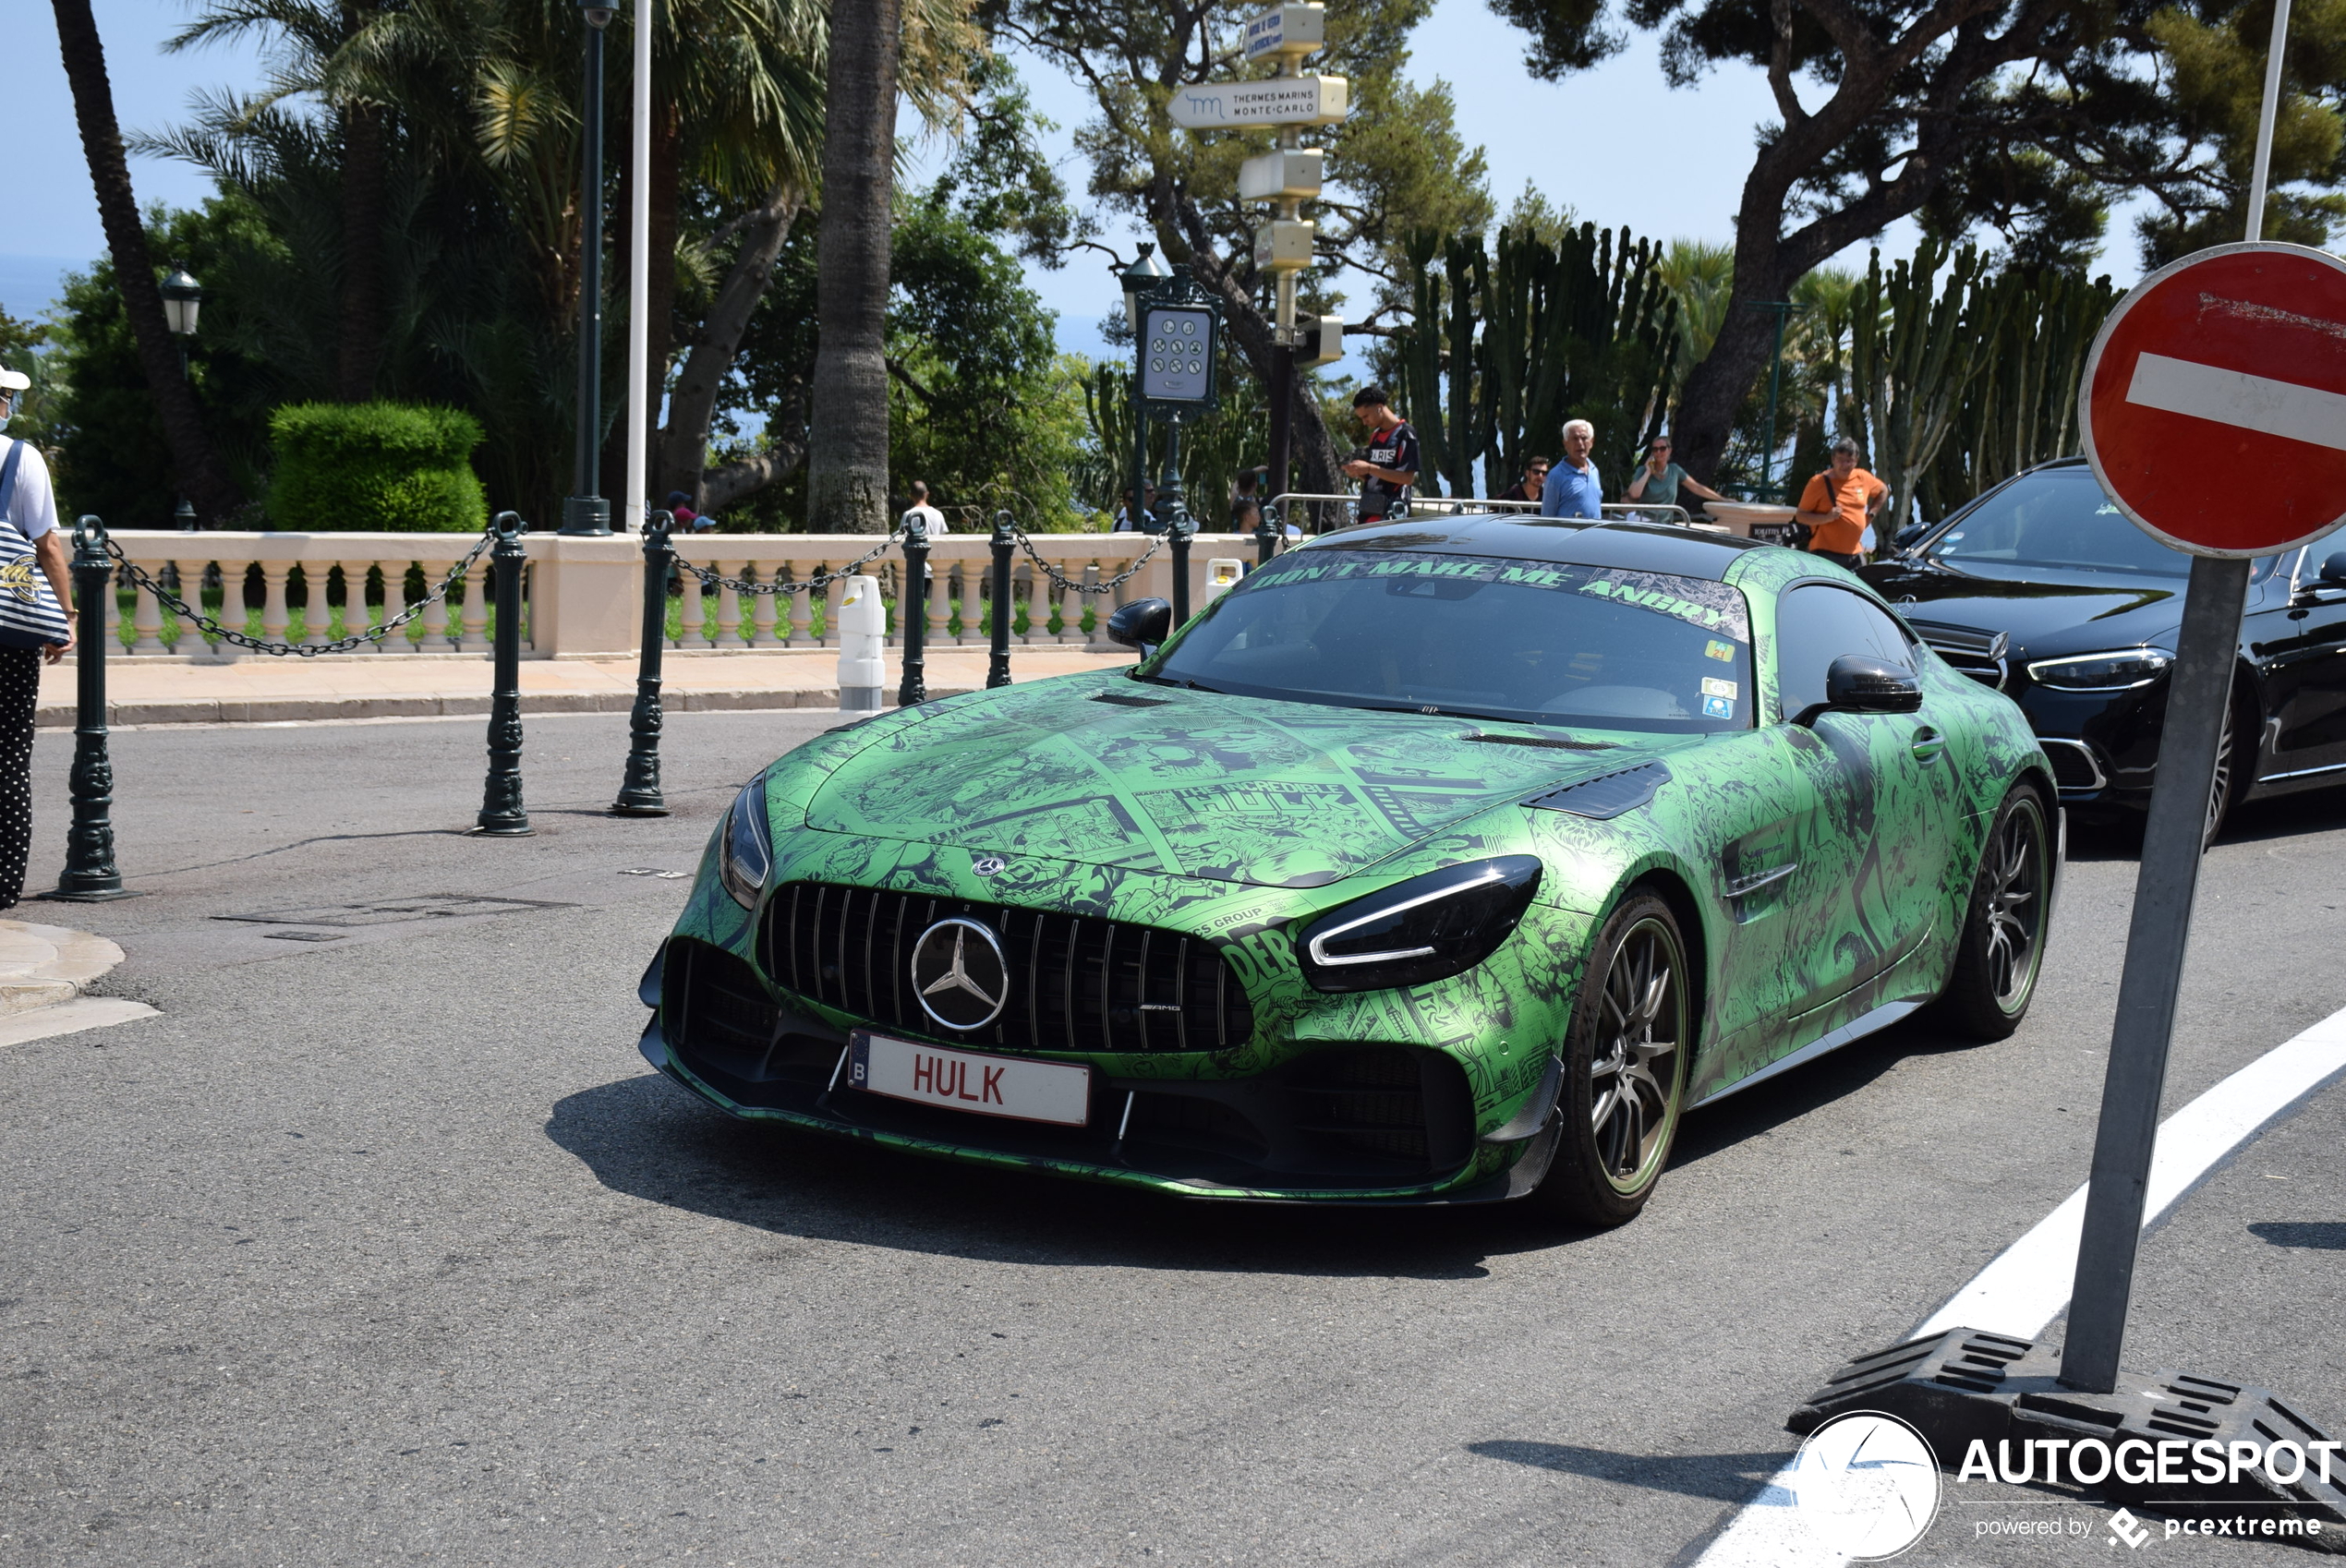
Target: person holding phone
[(1660, 482), (29, 505)]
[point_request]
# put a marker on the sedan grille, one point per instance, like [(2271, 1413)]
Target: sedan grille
[(1076, 983), (1980, 655)]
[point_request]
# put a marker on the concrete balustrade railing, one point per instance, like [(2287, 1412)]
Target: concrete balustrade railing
[(584, 596)]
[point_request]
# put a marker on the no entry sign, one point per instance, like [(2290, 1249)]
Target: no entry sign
[(2214, 402)]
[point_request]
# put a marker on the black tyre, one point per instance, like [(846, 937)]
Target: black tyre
[(2233, 773), (1624, 1069), (2003, 946)]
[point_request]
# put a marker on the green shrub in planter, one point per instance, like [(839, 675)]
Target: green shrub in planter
[(368, 467)]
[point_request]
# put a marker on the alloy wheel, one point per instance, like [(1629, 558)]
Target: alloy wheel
[(2221, 794), (2015, 903), (1638, 1056)]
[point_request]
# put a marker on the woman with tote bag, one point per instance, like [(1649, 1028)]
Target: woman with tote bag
[(34, 623)]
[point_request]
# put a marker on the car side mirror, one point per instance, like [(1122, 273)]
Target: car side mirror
[(2334, 569), (1142, 623), (1857, 684)]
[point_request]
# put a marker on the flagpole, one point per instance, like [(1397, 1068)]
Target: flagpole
[(631, 509)]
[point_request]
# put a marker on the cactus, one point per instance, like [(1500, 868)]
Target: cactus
[(1913, 359)]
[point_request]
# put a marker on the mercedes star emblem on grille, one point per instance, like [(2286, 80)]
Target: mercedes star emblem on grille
[(960, 974)]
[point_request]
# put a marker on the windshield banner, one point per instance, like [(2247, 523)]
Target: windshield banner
[(1715, 607)]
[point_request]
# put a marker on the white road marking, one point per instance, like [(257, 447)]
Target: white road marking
[(2027, 1286), (71, 1017), (2235, 397)]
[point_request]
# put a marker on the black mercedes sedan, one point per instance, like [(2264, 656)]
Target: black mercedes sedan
[(2043, 589)]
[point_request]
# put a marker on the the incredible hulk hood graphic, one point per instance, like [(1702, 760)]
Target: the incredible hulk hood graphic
[(1105, 771)]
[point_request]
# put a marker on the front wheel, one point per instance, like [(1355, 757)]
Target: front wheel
[(2002, 944), (1624, 1069)]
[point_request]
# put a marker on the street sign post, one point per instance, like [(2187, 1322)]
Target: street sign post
[(1281, 101), (2228, 362)]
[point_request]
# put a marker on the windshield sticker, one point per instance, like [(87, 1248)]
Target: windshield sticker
[(1713, 687), (1714, 606), (1718, 707)]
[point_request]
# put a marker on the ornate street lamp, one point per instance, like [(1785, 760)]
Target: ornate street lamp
[(182, 303), (585, 511), (1145, 273), (1174, 367)]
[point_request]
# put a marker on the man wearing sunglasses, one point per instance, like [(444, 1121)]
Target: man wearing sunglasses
[(1660, 482), (1535, 478)]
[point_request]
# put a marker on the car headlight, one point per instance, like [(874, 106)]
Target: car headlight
[(1430, 927), (2118, 671), (745, 854)]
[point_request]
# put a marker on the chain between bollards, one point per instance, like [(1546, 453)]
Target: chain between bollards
[(639, 791), (997, 663), (90, 875), (502, 814)]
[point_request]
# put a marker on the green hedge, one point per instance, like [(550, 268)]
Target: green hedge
[(366, 467)]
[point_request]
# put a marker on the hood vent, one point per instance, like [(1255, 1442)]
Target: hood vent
[(1608, 794)]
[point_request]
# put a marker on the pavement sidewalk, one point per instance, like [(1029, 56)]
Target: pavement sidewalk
[(43, 970), (259, 690)]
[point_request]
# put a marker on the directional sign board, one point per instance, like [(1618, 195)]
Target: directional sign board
[(1286, 30), (2214, 402), (1281, 101)]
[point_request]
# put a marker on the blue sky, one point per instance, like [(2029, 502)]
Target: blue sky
[(1616, 144)]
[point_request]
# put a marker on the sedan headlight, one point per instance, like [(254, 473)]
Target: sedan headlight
[(2122, 670), (744, 852), (1427, 928)]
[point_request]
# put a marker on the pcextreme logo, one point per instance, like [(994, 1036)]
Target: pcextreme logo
[(1866, 1484)]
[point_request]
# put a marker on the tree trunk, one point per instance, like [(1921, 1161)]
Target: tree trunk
[(683, 447), (847, 456), (362, 207), (203, 477), (1317, 466)]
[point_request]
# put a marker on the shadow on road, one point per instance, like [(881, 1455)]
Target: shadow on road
[(646, 1138), (1722, 1477), (1835, 1076), (2120, 838)]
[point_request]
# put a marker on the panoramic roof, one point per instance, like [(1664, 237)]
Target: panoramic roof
[(1638, 547)]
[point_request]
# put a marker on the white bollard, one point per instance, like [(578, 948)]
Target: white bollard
[(1222, 575), (862, 635)]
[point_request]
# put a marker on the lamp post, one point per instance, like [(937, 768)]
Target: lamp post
[(1145, 273), (1174, 364), (585, 511), (182, 302)]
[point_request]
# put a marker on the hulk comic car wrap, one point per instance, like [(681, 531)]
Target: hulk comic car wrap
[(1148, 855)]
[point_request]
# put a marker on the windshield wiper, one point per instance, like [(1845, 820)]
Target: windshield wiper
[(1442, 713), (1184, 684)]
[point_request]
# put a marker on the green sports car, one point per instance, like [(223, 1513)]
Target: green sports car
[(1437, 862)]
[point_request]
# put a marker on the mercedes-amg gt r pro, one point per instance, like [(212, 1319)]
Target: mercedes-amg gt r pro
[(1437, 862)]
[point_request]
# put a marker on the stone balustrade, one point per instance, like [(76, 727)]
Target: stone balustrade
[(584, 596)]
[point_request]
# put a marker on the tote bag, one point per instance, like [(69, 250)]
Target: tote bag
[(30, 614)]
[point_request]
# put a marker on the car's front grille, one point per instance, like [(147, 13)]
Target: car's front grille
[(1076, 983), (1980, 655), (722, 1022)]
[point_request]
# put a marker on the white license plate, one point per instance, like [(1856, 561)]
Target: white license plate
[(964, 1080)]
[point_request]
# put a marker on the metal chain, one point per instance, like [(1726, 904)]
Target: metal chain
[(187, 612), (715, 579), (1109, 586)]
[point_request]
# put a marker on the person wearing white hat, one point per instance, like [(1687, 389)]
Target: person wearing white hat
[(28, 504)]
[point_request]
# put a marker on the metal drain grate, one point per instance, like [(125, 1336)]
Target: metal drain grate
[(392, 912)]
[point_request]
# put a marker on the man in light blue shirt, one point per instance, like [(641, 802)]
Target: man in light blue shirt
[(1573, 490)]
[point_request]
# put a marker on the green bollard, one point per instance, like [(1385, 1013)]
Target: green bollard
[(502, 814), (639, 791), (90, 875)]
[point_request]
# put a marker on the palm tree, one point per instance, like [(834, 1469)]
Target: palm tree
[(847, 458), (202, 473)]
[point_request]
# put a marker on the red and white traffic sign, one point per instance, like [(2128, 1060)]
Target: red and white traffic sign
[(2214, 402)]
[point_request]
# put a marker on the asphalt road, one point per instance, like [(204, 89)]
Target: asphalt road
[(391, 1250)]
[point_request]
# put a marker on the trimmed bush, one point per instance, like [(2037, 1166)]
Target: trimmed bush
[(365, 467)]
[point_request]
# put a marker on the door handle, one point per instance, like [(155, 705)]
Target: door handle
[(1928, 744)]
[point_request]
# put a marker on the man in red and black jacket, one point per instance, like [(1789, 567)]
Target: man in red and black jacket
[(1389, 466)]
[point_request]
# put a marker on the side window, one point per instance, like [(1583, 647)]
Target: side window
[(1818, 623)]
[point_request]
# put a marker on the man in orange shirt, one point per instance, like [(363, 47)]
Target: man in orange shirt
[(1838, 504)]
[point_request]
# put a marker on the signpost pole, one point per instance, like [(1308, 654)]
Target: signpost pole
[(2199, 686), (2199, 690)]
